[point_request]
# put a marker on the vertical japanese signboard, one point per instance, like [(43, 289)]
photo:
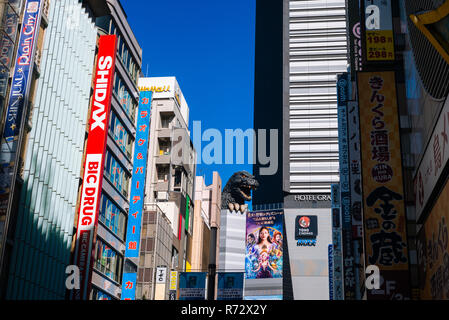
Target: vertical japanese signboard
[(337, 287), (138, 180), (94, 163), (356, 194), (379, 41), (383, 190), (17, 107), (345, 191), (129, 286)]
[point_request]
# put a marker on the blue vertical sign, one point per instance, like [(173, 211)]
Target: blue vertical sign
[(137, 192), (331, 271), (337, 258), (18, 98), (345, 192), (129, 286)]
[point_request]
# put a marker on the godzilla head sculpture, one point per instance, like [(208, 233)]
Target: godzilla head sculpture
[(237, 191)]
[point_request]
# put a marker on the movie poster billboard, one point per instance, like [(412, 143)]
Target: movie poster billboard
[(383, 190), (264, 239)]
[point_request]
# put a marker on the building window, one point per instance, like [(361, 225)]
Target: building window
[(97, 294), (126, 100), (166, 119), (116, 174), (108, 261), (120, 134), (112, 217), (124, 54), (174, 259)]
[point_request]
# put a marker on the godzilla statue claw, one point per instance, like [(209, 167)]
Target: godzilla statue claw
[(237, 191)]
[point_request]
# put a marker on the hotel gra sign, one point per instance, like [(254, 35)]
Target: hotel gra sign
[(313, 197), (94, 163)]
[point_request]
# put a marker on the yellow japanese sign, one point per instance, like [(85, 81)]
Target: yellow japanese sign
[(383, 194)]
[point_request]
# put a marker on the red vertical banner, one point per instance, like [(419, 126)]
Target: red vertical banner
[(94, 163)]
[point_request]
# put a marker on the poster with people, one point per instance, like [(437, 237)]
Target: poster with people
[(264, 238)]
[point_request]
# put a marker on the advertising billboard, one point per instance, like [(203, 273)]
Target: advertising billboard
[(230, 285), (383, 190), (192, 285), (378, 26), (17, 107), (433, 251), (94, 163), (138, 181), (264, 238)]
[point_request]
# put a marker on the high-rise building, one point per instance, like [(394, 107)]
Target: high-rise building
[(169, 188), (41, 217), (305, 43)]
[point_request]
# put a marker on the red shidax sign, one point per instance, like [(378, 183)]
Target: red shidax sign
[(94, 163)]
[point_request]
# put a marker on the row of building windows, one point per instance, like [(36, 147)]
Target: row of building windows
[(121, 136), (112, 217), (116, 174), (125, 98), (123, 53), (108, 261)]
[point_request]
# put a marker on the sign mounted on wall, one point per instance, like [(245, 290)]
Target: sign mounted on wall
[(379, 40), (94, 163)]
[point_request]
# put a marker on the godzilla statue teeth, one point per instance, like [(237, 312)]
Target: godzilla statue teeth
[(237, 191)]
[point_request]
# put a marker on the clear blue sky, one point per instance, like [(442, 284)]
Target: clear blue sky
[(209, 47)]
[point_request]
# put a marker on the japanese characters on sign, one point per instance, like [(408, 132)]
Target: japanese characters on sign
[(129, 286), (435, 158), (379, 41), (383, 195), (137, 195), (345, 192), (337, 256), (138, 179), (94, 163)]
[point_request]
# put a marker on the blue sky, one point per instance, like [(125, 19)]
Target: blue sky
[(209, 47)]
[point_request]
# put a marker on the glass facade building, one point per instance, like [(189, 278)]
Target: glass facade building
[(52, 154)]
